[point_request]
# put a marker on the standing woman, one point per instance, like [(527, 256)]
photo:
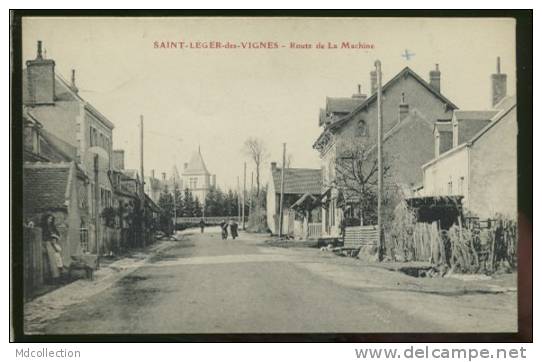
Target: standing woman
[(50, 237)]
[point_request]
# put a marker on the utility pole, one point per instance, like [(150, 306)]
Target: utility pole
[(282, 188), (238, 200), (251, 195), (144, 221), (378, 66), (244, 192), (174, 205)]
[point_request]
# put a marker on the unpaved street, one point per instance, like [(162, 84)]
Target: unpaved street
[(203, 284)]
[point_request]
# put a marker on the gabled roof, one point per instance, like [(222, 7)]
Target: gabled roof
[(474, 115), (342, 104), (403, 73), (196, 165), (298, 180), (47, 186)]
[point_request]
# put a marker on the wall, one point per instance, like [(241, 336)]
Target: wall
[(493, 181), (451, 166)]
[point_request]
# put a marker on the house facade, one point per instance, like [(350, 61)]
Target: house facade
[(61, 120), (196, 177), (481, 167), (410, 108), (297, 183)]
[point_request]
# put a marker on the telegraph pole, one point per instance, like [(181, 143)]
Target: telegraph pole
[(174, 205), (282, 188), (251, 195), (378, 66), (144, 221), (244, 192), (238, 200)]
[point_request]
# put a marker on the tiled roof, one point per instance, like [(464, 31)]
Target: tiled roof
[(474, 115), (46, 186), (342, 105), (196, 165), (298, 180)]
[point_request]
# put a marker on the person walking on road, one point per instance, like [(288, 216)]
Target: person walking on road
[(51, 237), (233, 229), (224, 229), (202, 225)]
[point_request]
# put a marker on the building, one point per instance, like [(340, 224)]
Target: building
[(481, 165), (196, 177), (58, 120), (59, 189), (410, 108), (297, 183)]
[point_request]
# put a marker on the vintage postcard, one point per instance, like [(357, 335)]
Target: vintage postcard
[(195, 175)]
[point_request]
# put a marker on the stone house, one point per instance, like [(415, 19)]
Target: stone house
[(481, 165), (410, 108), (70, 124)]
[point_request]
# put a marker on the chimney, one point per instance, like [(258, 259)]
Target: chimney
[(40, 74), (152, 173), (273, 166), (164, 176), (185, 165), (359, 95), (403, 108), (72, 85), (434, 79), (118, 159), (373, 82), (498, 85)]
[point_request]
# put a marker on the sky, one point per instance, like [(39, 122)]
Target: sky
[(217, 98)]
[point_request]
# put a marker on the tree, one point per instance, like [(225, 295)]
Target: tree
[(257, 151), (197, 208), (165, 202), (178, 195), (188, 204), (356, 174)]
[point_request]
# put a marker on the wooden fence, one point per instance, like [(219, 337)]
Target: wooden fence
[(208, 219), (33, 262), (315, 230), (356, 236)]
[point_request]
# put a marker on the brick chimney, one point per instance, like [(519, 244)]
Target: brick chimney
[(498, 85), (40, 74), (273, 166), (72, 85), (403, 108), (434, 79), (118, 159), (373, 82), (359, 95)]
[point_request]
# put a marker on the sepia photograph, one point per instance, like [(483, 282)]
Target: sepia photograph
[(282, 175)]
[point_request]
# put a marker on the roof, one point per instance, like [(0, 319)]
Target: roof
[(307, 197), (131, 173), (403, 73), (298, 180), (510, 104), (174, 175), (64, 92), (474, 115), (342, 105), (46, 185), (196, 165)]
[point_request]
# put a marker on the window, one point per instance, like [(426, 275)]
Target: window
[(450, 187), (193, 182), (93, 135), (362, 128), (83, 236), (460, 185)]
